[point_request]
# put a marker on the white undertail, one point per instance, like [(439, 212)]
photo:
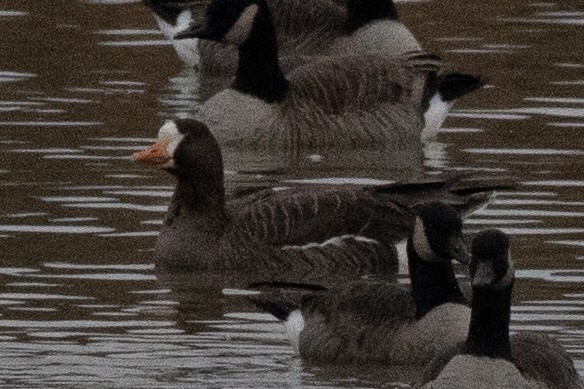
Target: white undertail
[(435, 116), (294, 326)]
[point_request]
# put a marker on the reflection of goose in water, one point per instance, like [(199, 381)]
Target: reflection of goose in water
[(298, 230)]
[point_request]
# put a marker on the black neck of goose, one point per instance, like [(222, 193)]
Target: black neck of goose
[(258, 72), (488, 334), (203, 198), (360, 13), (432, 283)]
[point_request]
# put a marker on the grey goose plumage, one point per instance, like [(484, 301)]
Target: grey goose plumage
[(373, 26), (384, 322), (490, 357), (344, 102), (306, 228)]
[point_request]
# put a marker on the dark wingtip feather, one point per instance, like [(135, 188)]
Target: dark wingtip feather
[(452, 86)]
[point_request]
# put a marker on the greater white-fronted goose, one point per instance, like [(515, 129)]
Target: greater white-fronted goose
[(338, 227)]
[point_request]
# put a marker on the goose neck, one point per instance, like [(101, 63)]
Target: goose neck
[(488, 333), (258, 72), (433, 283), (200, 199)]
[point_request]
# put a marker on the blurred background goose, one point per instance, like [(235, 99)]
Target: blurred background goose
[(384, 322), (304, 28), (490, 358), (349, 102), (334, 227)]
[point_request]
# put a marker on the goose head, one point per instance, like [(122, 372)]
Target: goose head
[(491, 266), (437, 234), (228, 21), (492, 274), (186, 149)]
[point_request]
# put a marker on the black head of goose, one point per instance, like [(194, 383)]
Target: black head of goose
[(384, 322), (490, 358)]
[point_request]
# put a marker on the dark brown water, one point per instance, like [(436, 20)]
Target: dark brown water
[(83, 84)]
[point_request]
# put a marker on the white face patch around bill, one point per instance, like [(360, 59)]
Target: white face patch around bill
[(421, 244), (242, 27), (169, 132)]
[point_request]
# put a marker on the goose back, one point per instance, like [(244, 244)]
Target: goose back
[(351, 102), (385, 37)]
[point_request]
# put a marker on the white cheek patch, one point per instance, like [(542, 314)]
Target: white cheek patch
[(421, 244), (242, 27), (510, 274)]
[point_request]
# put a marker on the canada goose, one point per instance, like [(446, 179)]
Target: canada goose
[(339, 227), (304, 28), (490, 358), (348, 102), (384, 322)]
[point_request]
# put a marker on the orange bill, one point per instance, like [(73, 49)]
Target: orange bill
[(154, 155)]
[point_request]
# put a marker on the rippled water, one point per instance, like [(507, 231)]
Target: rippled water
[(86, 83)]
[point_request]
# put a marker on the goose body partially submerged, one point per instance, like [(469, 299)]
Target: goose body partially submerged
[(348, 102), (334, 228), (383, 322)]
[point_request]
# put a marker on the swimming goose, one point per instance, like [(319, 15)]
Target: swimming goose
[(336, 227), (304, 28), (490, 358), (384, 322), (349, 102)]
